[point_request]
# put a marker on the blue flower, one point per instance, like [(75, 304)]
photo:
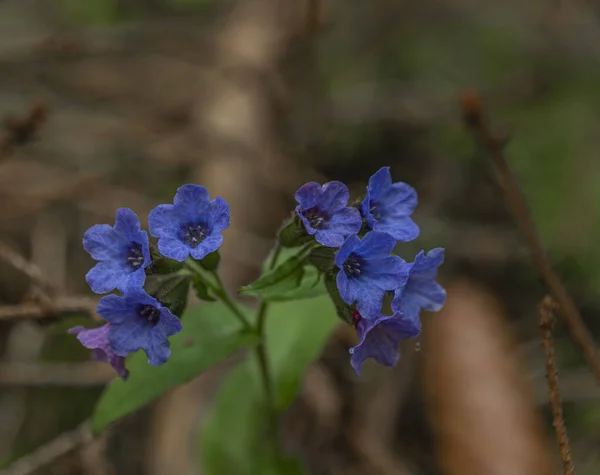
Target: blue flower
[(139, 321), (388, 206), (190, 226), (122, 252), (96, 339), (367, 271), (380, 337), (325, 214), (421, 291)]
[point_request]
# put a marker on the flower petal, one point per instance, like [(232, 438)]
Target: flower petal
[(379, 183), (164, 221), (308, 195), (220, 211), (370, 300), (210, 244), (334, 197), (350, 244), (158, 348), (106, 276), (402, 229), (127, 224), (401, 199), (346, 221), (379, 339), (102, 242), (129, 336), (329, 238), (191, 197), (173, 249), (170, 323), (113, 308), (376, 245), (388, 273), (133, 279)]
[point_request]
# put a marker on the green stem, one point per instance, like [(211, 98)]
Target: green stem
[(261, 353), (219, 291)]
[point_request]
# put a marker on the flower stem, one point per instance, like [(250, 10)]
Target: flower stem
[(219, 291), (261, 353)]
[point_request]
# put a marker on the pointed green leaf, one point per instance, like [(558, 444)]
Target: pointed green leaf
[(171, 290), (233, 439), (210, 334), (202, 291), (283, 278)]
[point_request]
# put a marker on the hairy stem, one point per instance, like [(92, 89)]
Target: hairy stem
[(261, 353), (219, 291)]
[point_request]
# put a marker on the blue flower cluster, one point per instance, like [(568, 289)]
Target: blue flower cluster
[(191, 226), (366, 270)]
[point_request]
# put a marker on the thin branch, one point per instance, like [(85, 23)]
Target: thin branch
[(28, 268), (90, 373), (52, 309), (493, 144), (546, 315), (48, 453)]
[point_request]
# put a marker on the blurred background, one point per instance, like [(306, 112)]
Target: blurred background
[(115, 103)]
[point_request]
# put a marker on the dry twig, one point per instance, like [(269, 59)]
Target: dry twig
[(54, 308), (62, 445), (493, 144), (546, 315), (89, 373)]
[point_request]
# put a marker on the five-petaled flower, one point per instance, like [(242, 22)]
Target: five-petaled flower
[(367, 271), (388, 206), (325, 213), (421, 291), (139, 321), (122, 252), (380, 337), (96, 339), (190, 226)]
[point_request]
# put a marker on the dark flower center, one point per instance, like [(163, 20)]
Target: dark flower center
[(134, 256), (150, 313), (194, 234), (352, 266), (374, 210), (316, 217)]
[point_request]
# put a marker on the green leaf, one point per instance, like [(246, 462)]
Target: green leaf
[(210, 334), (310, 286), (202, 291), (283, 278), (323, 258), (171, 290), (233, 438), (211, 261), (293, 234)]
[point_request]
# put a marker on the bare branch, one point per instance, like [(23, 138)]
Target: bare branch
[(90, 373), (493, 144), (546, 315), (54, 308)]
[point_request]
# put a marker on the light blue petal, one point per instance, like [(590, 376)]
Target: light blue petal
[(220, 212), (210, 244), (129, 336), (169, 323), (376, 245), (173, 249), (102, 242), (113, 309), (308, 195), (401, 229), (158, 347), (105, 276), (350, 244), (164, 221), (334, 197), (379, 183)]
